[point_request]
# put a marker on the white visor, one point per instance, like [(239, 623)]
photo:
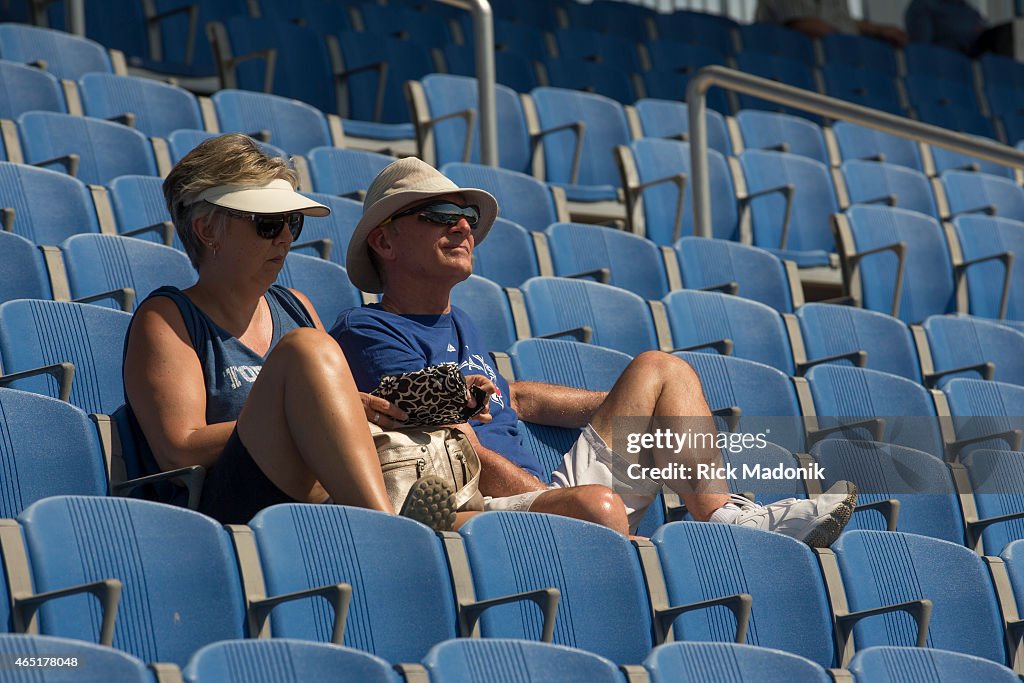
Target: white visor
[(277, 196)]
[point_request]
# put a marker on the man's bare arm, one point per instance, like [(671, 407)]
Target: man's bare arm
[(554, 405)]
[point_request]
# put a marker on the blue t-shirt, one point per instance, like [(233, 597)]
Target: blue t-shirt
[(378, 343)]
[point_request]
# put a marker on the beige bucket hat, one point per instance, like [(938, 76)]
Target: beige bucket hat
[(401, 184)]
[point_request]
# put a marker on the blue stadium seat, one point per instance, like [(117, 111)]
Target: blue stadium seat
[(713, 322), (138, 202), (102, 662), (782, 133), (157, 108), (407, 22), (829, 331), (28, 89), (514, 65), (982, 407), (607, 255), (959, 118), (522, 198), (653, 170), (325, 283), (325, 17), (597, 46), (778, 41), (890, 567), (715, 264), (697, 28), (338, 227), (862, 86), (947, 160), (666, 84), (48, 206), (969, 193), (508, 256), (109, 264), (585, 76), (981, 237), (489, 307), (22, 271), (294, 126), (871, 239), (874, 182), (182, 40), (994, 477), (728, 663), (791, 614), (777, 68), (493, 659), (964, 342), (105, 150), (927, 95), (927, 500), (604, 604), (181, 142), (49, 448), (847, 395), (66, 56), (806, 238), (397, 615), (345, 172), (860, 52), (613, 18), (883, 663), (924, 59), (617, 319), (858, 142), (284, 661), (35, 334), (670, 119)]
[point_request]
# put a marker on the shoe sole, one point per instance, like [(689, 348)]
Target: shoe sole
[(826, 529), (431, 501)]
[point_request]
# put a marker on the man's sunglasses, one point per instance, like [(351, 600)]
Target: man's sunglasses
[(269, 226), (442, 213)]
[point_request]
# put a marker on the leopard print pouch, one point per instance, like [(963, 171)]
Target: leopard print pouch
[(435, 395)]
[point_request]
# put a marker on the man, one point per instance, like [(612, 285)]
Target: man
[(956, 25), (817, 18), (414, 243)]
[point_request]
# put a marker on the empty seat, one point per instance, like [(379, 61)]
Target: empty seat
[(294, 126), (28, 89), (873, 182), (488, 306), (325, 283), (890, 663), (699, 28), (747, 271), (104, 150), (157, 108), (967, 343), (337, 227), (139, 203), (866, 87), (345, 172), (858, 142), (994, 479), (968, 193), (45, 206), (509, 255), (523, 199), (727, 663), (598, 46), (66, 56), (859, 51), (783, 133), (22, 271), (668, 119), (284, 661), (617, 319), (777, 40), (585, 76), (991, 240), (924, 59), (75, 657), (784, 69), (493, 659)]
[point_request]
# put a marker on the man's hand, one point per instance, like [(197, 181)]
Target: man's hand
[(382, 412), (485, 385)]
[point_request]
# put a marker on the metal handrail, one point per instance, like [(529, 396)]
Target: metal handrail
[(483, 39), (833, 108)]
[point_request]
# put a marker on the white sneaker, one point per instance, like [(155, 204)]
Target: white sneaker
[(817, 522)]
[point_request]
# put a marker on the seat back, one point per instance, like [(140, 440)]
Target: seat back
[(633, 263), (925, 59), (48, 448), (106, 150), (489, 308), (968, 192), (756, 330), (38, 333), (325, 283), (670, 119), (22, 271), (776, 40), (728, 663), (183, 141), (889, 567), (791, 615), (567, 363), (66, 56), (782, 68), (338, 227), (873, 182), (929, 504), (618, 319), (758, 274), (28, 89), (345, 172), (981, 407), (493, 659), (866, 87), (860, 52), (522, 198), (578, 74), (283, 660), (656, 159), (606, 127), (888, 663), (771, 130), (397, 614), (179, 574), (928, 274), (859, 142), (295, 127), (159, 108), (831, 330), (958, 341), (48, 206), (105, 663), (508, 257), (947, 160), (101, 263), (406, 61), (996, 478), (980, 236), (604, 604), (138, 202)]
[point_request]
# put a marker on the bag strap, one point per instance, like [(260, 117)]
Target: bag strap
[(472, 486)]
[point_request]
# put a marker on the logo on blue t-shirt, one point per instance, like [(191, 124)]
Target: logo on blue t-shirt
[(476, 365)]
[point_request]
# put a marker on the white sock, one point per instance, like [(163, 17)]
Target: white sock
[(726, 514)]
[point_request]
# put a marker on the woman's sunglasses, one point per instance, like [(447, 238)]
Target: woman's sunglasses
[(442, 213), (269, 226)]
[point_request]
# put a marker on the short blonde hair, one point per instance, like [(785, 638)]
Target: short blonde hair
[(232, 159)]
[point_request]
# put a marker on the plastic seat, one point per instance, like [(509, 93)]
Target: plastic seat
[(345, 172), (983, 407), (994, 480), (325, 283), (617, 319), (138, 202), (612, 17), (183, 141), (599, 79), (34, 334), (889, 663), (493, 659), (777, 68), (488, 306), (891, 567), (697, 28), (671, 84), (105, 150), (782, 132), (928, 95), (866, 87), (730, 662), (67, 56), (969, 343), (522, 198), (776, 40), (284, 661), (337, 227), (98, 264), (614, 257), (923, 59), (508, 257), (947, 160), (28, 89), (969, 193), (158, 108), (513, 65), (598, 46), (719, 323), (103, 662), (858, 142), (48, 206), (860, 52), (294, 126), (985, 236), (873, 182), (668, 119), (758, 274), (22, 271)]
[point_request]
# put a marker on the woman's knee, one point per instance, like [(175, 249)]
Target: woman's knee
[(312, 346)]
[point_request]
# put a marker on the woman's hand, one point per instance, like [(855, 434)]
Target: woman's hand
[(487, 386), (382, 412)]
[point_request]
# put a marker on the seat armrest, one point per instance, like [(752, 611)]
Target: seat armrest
[(64, 373), (338, 595), (164, 228), (107, 591), (192, 477), (739, 604), (875, 424), (920, 610), (889, 508), (858, 358), (123, 296), (577, 127), (545, 598), (582, 334)]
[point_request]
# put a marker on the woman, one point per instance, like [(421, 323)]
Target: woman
[(235, 373)]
